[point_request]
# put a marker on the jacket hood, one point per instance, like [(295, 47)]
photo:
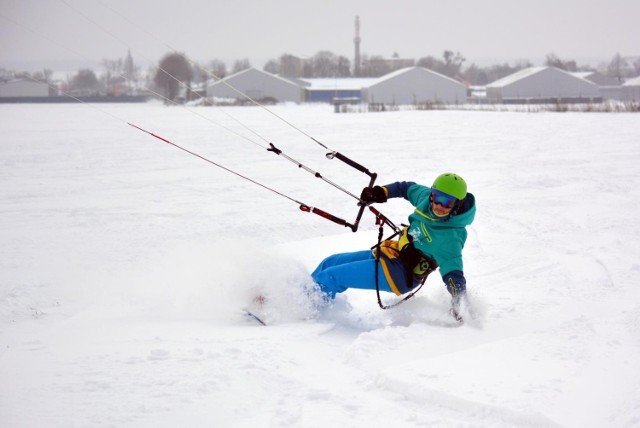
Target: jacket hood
[(466, 213)]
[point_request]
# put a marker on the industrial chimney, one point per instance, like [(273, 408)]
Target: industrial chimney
[(356, 41)]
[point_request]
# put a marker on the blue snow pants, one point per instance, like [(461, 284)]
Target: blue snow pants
[(339, 272)]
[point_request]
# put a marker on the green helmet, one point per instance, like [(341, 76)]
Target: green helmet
[(451, 184)]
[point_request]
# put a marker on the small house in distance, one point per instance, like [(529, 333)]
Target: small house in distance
[(258, 85), (631, 90), (543, 85), (415, 85)]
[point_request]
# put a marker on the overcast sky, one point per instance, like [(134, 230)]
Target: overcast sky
[(485, 32)]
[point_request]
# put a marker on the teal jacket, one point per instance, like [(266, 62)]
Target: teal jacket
[(441, 238)]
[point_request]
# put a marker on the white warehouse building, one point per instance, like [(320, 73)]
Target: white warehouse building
[(257, 84), (414, 85), (543, 84)]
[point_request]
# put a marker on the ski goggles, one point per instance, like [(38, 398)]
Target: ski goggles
[(443, 199)]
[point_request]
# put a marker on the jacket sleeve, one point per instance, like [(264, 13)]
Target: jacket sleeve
[(398, 189)]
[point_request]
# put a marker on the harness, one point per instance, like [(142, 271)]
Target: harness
[(417, 266)]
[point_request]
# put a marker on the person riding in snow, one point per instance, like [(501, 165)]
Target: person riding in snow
[(434, 238)]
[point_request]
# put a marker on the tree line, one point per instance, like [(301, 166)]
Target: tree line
[(451, 64), (326, 64), (174, 70)]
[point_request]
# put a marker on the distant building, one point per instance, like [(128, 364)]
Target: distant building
[(543, 85), (631, 90), (598, 78), (257, 84), (610, 87), (336, 90), (415, 85), (23, 88)]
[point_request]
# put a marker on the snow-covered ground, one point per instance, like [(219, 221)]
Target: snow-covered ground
[(124, 264)]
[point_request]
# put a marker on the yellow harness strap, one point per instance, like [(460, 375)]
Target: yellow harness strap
[(389, 278), (391, 250)]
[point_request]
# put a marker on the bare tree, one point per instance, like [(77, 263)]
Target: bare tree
[(452, 63), (431, 63), (173, 70), (618, 68), (85, 82), (567, 65), (475, 75), (324, 64), (218, 68), (344, 67), (240, 65), (499, 71), (272, 66), (290, 66), (374, 66)]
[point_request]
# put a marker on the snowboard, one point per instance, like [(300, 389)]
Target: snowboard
[(253, 313)]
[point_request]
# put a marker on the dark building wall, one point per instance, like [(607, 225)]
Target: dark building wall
[(327, 95)]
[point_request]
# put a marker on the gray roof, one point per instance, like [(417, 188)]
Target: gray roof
[(252, 71), (518, 75), (633, 82), (402, 71), (583, 74), (527, 72), (358, 83)]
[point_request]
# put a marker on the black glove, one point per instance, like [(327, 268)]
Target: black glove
[(456, 285), (373, 194)]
